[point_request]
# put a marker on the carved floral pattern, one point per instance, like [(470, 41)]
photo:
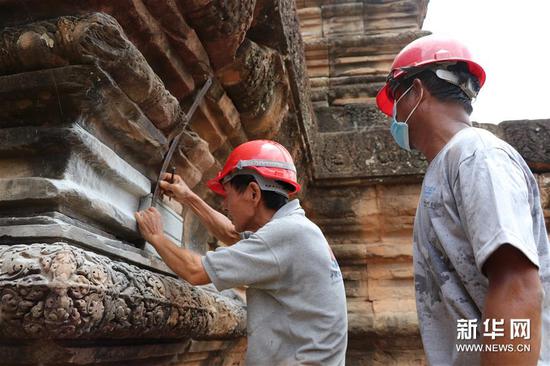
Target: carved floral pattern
[(59, 291)]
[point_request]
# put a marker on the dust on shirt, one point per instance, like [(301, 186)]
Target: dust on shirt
[(478, 194), (295, 297)]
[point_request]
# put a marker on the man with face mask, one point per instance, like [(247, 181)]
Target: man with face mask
[(296, 304), (481, 252)]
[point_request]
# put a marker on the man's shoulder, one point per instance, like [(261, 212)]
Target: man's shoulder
[(290, 230), (473, 142), (292, 225)]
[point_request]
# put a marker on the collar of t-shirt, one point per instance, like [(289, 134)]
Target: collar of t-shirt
[(287, 209)]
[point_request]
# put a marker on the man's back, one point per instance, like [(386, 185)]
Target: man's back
[(477, 194), (296, 298)]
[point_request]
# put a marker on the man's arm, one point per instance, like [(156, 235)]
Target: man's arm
[(216, 223), (515, 292), (183, 262), (492, 190)]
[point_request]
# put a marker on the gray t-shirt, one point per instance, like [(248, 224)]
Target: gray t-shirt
[(477, 195), (295, 297)]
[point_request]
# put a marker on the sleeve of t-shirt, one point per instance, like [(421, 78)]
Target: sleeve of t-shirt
[(249, 262), (492, 197)]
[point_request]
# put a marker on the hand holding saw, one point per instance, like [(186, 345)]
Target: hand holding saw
[(176, 139)]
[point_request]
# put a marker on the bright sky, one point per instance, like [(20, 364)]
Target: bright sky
[(511, 41)]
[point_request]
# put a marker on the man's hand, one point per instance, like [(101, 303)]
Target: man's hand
[(183, 262), (150, 225), (176, 188), (216, 223)]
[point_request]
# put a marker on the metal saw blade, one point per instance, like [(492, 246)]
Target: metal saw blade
[(176, 139)]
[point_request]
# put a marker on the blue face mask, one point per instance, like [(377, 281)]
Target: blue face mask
[(400, 130)]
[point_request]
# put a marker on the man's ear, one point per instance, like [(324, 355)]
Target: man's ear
[(255, 192), (417, 91)]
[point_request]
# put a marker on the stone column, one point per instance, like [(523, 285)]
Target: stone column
[(364, 189)]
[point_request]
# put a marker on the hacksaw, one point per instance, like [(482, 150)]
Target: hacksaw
[(175, 140)]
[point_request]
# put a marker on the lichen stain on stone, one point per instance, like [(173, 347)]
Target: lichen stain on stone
[(47, 39)]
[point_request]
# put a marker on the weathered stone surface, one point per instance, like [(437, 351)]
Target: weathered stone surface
[(221, 25), (317, 64), (530, 138), (165, 40), (343, 18), (365, 189), (93, 181), (137, 73), (54, 161), (162, 21), (169, 45), (364, 131), (64, 95), (369, 229), (376, 351), (54, 226), (214, 353), (362, 155), (296, 66), (392, 16), (352, 60), (59, 353), (96, 38), (354, 142), (61, 292), (364, 17), (122, 74), (311, 22), (80, 93), (257, 83), (193, 158), (280, 18)]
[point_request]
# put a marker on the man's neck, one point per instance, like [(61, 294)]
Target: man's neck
[(262, 217), (438, 129)]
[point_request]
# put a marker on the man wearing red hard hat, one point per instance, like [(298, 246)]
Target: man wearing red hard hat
[(481, 252), (296, 304)]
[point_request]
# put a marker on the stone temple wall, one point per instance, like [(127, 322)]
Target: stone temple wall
[(364, 189), (91, 94)]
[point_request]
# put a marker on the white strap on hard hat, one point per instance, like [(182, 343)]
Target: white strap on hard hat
[(442, 72), (266, 184), (266, 163), (467, 86)]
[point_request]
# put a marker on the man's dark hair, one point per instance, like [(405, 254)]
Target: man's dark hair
[(272, 200), (443, 90)]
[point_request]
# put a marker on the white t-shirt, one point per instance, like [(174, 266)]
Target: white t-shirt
[(478, 194), (295, 297)]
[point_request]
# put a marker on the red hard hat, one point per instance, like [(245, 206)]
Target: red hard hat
[(268, 158), (424, 51)]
